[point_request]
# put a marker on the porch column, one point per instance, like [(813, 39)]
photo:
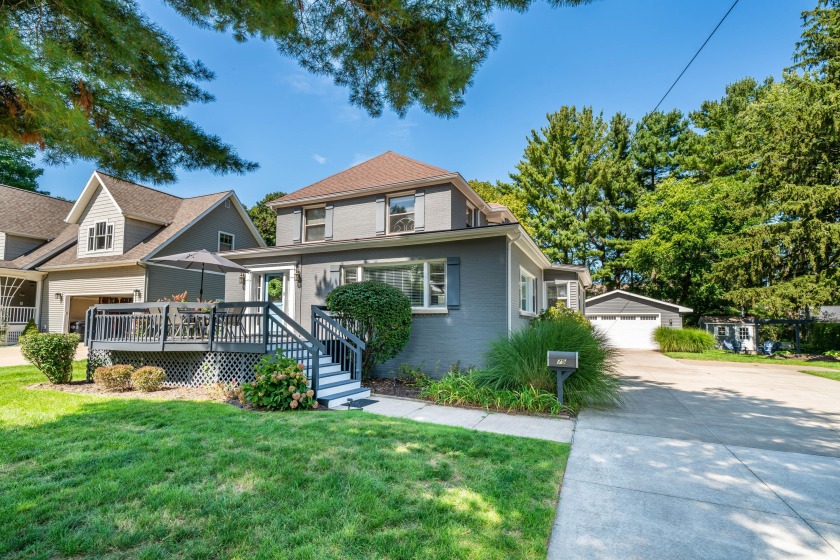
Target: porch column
[(39, 286)]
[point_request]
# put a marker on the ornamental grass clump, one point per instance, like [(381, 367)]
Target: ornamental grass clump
[(51, 353), (517, 362), (148, 379), (460, 389), (114, 378), (684, 340), (280, 384)]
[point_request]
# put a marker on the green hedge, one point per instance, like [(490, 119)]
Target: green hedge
[(684, 340), (52, 354), (826, 336)]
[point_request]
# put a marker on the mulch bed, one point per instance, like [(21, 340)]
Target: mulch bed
[(169, 393), (807, 357), (391, 388)]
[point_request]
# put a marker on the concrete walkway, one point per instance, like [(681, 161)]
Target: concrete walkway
[(705, 460), (10, 355), (552, 429)]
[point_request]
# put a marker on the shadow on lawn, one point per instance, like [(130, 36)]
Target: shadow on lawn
[(153, 479)]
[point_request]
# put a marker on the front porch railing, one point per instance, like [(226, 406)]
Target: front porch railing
[(16, 314)]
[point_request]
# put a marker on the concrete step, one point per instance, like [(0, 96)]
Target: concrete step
[(339, 399), (337, 387)]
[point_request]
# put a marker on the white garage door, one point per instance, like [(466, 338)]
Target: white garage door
[(628, 331)]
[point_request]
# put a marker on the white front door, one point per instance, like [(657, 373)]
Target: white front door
[(628, 331)]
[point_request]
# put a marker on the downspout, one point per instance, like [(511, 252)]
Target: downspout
[(510, 242)]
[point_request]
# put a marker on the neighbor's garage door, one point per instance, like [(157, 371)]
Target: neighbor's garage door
[(628, 331)]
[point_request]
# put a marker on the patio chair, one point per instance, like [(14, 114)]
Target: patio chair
[(728, 345), (232, 326), (769, 347)]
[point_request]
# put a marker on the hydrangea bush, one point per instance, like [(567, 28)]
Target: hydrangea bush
[(280, 384)]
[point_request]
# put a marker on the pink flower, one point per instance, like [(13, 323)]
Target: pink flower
[(310, 392), (293, 404), (300, 366), (315, 405), (292, 388), (296, 396), (282, 377)]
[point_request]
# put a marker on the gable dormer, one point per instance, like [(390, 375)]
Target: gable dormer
[(115, 215)]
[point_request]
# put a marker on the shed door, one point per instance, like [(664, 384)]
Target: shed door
[(628, 331)]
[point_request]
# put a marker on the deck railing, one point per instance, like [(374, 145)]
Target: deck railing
[(345, 347), (16, 314), (249, 326)]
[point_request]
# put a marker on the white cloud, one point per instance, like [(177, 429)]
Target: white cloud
[(359, 158), (319, 158)]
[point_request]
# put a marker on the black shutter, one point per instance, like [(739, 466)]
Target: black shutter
[(453, 283)]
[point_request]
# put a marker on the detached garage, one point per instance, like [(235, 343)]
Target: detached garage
[(629, 320)]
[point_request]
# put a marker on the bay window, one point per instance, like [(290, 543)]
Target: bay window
[(423, 282), (556, 292)]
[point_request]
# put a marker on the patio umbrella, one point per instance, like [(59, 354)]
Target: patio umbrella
[(203, 259)]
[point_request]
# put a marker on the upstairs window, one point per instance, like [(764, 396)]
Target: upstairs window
[(226, 241), (470, 216), (401, 214), (555, 292), (314, 224), (101, 237), (527, 292)]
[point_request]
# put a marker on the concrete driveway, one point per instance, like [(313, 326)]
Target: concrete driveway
[(705, 460), (10, 355)]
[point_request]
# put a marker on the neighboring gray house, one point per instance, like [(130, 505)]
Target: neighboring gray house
[(629, 319), (732, 328), (97, 250), (828, 313), (470, 270)]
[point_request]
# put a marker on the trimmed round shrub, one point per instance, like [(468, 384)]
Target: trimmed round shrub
[(377, 313), (148, 378), (518, 361), (52, 354), (114, 378), (684, 340)]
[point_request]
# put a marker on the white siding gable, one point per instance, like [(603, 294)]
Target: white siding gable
[(101, 209)]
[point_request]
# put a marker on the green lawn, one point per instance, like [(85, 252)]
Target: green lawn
[(721, 356), (85, 476), (835, 375)]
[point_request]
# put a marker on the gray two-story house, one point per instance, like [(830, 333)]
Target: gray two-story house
[(471, 272), (59, 258)]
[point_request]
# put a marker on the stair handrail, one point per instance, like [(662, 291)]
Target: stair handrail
[(328, 329)]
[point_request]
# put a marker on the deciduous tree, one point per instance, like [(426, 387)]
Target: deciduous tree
[(16, 166), (264, 218)]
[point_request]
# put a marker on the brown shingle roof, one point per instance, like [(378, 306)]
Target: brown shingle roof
[(385, 169), (188, 210), (32, 214), (142, 201)]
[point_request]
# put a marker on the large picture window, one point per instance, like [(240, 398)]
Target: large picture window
[(100, 237), (401, 214), (556, 292), (423, 283), (527, 292), (314, 224)]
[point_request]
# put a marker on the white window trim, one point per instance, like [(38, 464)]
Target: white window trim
[(427, 308), (473, 216), (304, 225), (388, 213), (532, 293), (108, 226), (557, 282), (219, 240)]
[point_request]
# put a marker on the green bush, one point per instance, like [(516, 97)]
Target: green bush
[(148, 379), (826, 336), (377, 313), (560, 311), (280, 385), (832, 353), (462, 389), (684, 340), (52, 354), (518, 362), (114, 378), (30, 328)]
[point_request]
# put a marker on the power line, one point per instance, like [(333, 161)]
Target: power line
[(732, 7)]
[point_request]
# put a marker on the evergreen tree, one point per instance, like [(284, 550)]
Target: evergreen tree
[(660, 144), (574, 181), (96, 80), (16, 166), (265, 219)]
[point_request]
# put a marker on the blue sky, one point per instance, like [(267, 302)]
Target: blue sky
[(615, 55)]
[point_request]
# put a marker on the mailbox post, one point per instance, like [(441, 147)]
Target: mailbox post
[(563, 364)]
